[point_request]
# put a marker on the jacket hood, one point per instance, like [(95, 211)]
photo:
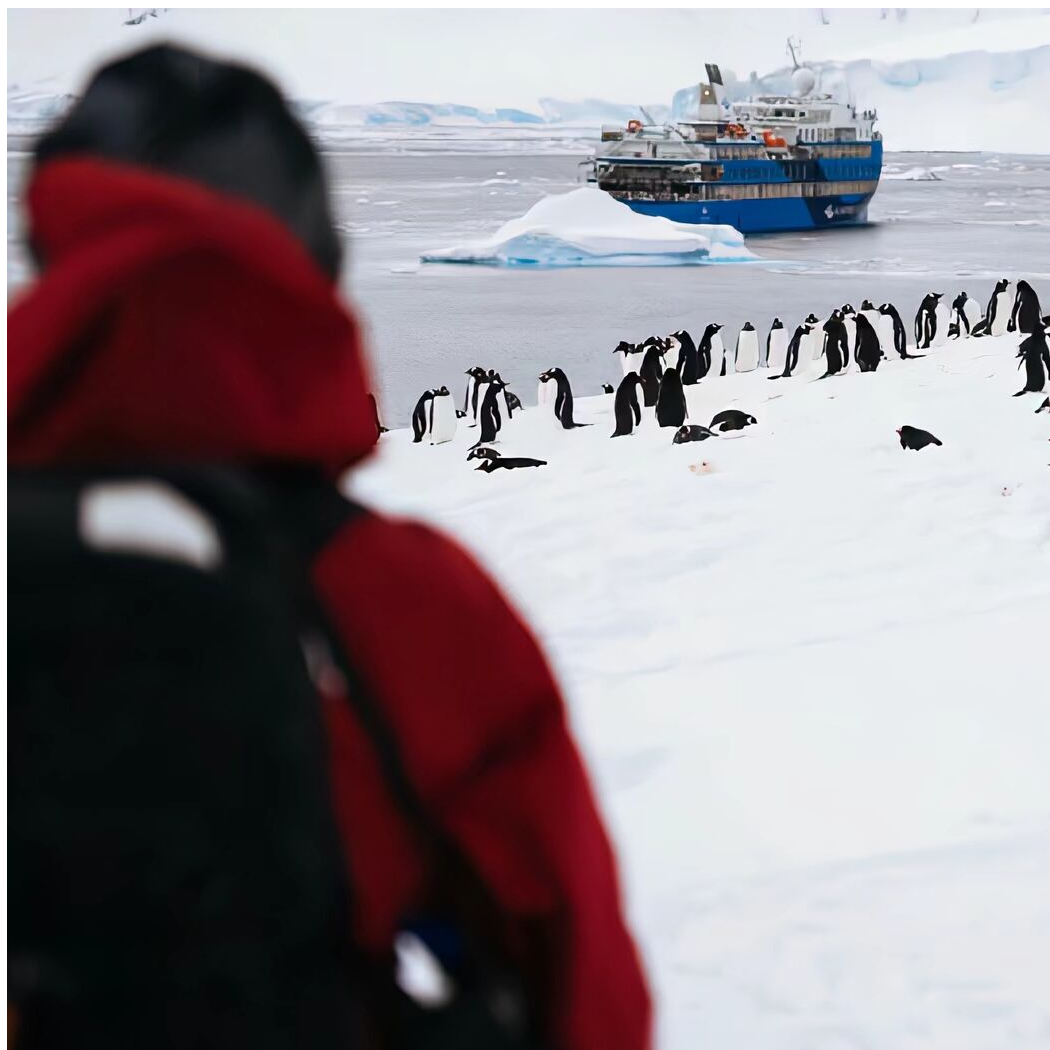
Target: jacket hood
[(173, 322)]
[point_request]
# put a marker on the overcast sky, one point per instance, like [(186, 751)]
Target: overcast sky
[(484, 58)]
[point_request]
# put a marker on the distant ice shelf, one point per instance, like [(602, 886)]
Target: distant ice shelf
[(589, 228)]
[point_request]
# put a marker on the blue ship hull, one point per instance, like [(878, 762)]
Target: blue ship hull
[(764, 216)]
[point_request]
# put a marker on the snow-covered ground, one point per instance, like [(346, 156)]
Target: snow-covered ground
[(587, 227), (809, 670)]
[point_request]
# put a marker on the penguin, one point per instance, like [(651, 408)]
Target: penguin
[(513, 402), (688, 365), (814, 346), (494, 461), (731, 419), (686, 434), (746, 358), (476, 378), (849, 319), (651, 373), (867, 351), (482, 453), (1035, 356), (441, 418), (380, 429), (712, 352), (899, 337), (1025, 316), (607, 388), (488, 415), (965, 316), (834, 344), (914, 438), (562, 399), (1044, 407), (997, 316), (626, 409), (928, 330), (671, 409), (631, 355), (871, 312), (776, 348), (420, 416), (797, 358)]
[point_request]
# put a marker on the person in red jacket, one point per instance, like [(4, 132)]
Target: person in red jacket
[(186, 309)]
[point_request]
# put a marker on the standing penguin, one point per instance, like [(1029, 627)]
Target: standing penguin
[(926, 322), (477, 377), (703, 351), (562, 398), (776, 347), (1025, 317), (959, 322), (870, 311), (441, 423), (1035, 356), (420, 416), (630, 355), (797, 358), (488, 415), (835, 349), (671, 410), (849, 320), (867, 351), (747, 349), (626, 409), (997, 316), (688, 359), (899, 336), (651, 373), (712, 352)]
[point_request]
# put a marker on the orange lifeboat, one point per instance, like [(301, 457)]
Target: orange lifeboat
[(736, 131), (773, 141)]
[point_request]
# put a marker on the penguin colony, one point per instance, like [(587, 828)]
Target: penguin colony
[(657, 369)]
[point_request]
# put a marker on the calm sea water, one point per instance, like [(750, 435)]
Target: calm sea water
[(987, 216)]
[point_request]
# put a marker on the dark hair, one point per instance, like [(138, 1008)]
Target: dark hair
[(220, 124)]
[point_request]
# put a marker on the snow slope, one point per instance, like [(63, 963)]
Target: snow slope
[(586, 227), (810, 679)]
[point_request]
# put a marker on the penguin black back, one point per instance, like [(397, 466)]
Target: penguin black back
[(626, 409), (651, 373), (671, 409)]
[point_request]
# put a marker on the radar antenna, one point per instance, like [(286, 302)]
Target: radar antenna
[(793, 43), (648, 119)]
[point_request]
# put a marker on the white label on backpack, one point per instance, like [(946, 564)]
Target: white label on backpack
[(149, 518)]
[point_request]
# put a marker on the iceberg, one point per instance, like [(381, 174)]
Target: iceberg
[(587, 227), (911, 175)]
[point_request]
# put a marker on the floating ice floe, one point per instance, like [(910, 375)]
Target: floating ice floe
[(587, 227), (911, 175)]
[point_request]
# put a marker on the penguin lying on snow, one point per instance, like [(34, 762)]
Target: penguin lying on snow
[(732, 419), (914, 438), (491, 460), (692, 433)]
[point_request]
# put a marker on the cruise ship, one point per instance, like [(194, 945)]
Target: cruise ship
[(796, 162)]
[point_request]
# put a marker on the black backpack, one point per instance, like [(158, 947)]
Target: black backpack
[(176, 877), (175, 873)]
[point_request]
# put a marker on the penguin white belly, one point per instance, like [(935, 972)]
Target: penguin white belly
[(546, 393), (940, 337), (778, 344), (747, 351), (1004, 304), (671, 357), (718, 355), (444, 420), (851, 342), (631, 363), (885, 330), (972, 309)]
